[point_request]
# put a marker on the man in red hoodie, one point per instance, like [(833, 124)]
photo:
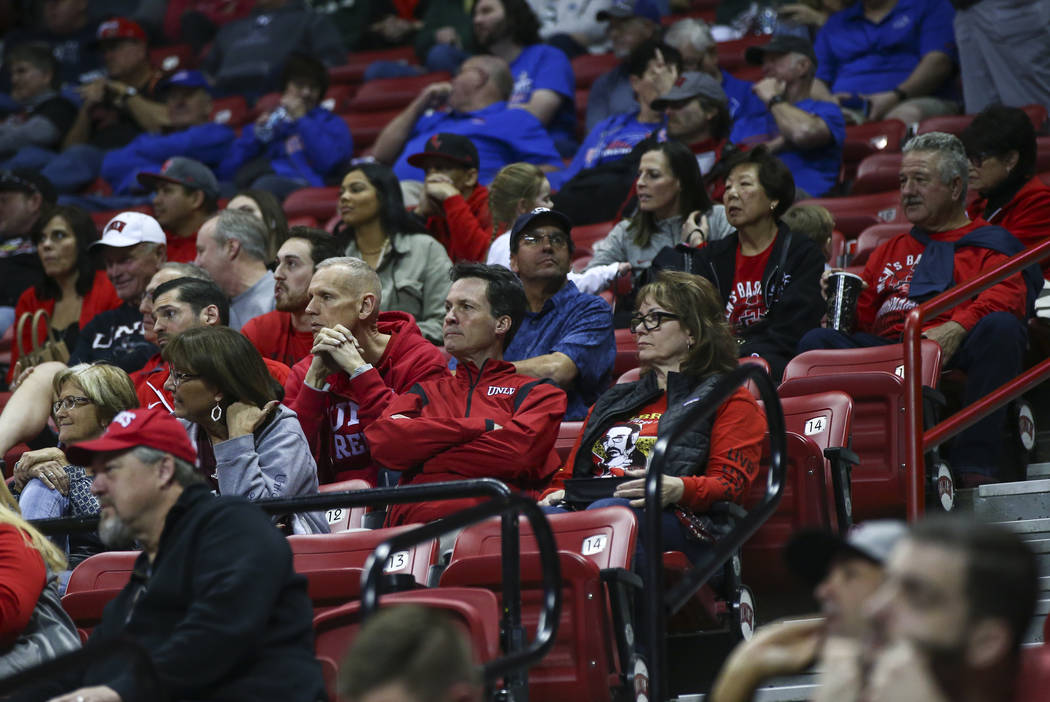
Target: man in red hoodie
[(360, 358), (455, 205), (487, 421)]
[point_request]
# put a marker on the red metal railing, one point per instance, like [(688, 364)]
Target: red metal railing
[(917, 442)]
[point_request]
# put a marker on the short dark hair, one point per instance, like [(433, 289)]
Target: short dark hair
[(996, 131), (692, 194), (38, 54), (210, 203), (198, 294), (226, 359), (774, 177), (522, 21), (322, 244), (307, 69), (504, 291), (1001, 572), (637, 62), (392, 214), (85, 231)]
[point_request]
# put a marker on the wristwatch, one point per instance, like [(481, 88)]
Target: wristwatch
[(901, 95), (775, 100)]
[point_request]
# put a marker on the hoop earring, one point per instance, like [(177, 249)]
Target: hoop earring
[(216, 412)]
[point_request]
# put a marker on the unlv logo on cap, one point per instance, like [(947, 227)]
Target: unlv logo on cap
[(680, 82), (116, 225), (538, 210), (166, 166), (435, 141)]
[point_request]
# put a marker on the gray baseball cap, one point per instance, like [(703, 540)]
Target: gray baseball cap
[(810, 553), (184, 171), (689, 85)]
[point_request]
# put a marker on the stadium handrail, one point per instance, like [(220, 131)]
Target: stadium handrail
[(916, 441), (658, 607)]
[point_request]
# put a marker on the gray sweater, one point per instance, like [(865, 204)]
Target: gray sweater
[(618, 245), (275, 462)]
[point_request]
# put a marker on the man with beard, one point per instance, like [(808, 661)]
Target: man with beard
[(213, 600), (284, 334)]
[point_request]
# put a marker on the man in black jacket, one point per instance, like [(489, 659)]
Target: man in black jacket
[(213, 599)]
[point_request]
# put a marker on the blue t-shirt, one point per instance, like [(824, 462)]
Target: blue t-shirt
[(815, 170), (855, 55), (742, 99), (611, 140), (581, 327), (542, 67), (502, 135)]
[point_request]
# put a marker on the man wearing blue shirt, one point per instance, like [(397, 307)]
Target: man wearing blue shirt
[(806, 134), (899, 55), (472, 105), (567, 335), (544, 83)]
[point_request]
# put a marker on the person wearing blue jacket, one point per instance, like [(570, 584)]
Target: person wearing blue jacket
[(295, 145), (191, 134)]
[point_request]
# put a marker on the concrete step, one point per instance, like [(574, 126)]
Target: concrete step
[(1026, 499), (1028, 529), (1037, 471), (795, 688)]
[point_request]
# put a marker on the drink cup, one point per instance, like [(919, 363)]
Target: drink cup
[(843, 292)]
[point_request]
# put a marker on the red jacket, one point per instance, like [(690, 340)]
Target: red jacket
[(182, 249), (1026, 216), (448, 433), (101, 297), (149, 380), (334, 419), (883, 305), (466, 229), (272, 334)]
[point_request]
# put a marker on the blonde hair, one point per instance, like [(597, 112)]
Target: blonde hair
[(514, 182), (812, 220), (52, 555), (109, 388)]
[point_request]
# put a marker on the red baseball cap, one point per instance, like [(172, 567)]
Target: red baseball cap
[(155, 428), (119, 28)]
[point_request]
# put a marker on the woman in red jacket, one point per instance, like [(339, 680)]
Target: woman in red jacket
[(73, 290)]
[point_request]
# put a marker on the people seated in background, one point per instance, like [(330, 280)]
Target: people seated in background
[(453, 203), (247, 443), (805, 132), (73, 291), (35, 627), (232, 247), (86, 399), (813, 221), (544, 83), (565, 335), (196, 22), (692, 37), (248, 54), (185, 195), (68, 28), (265, 206), (630, 24), (684, 348), (767, 275), (984, 336), (412, 267), (190, 134), (361, 358), (25, 196), (44, 117), (410, 653), (845, 573), (284, 334), (297, 144), (200, 553), (895, 60), (486, 421), (572, 27), (474, 105), (652, 69), (1000, 144)]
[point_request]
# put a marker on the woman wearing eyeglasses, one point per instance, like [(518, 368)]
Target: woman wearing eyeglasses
[(248, 444), (88, 397), (684, 347)]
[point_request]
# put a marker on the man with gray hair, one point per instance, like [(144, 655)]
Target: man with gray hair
[(984, 336), (360, 358), (232, 247), (213, 600)]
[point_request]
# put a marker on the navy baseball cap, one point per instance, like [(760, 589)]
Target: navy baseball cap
[(453, 147), (28, 182), (540, 214), (624, 9), (187, 79)]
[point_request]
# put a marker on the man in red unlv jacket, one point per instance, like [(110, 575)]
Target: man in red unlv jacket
[(487, 421), (360, 358)]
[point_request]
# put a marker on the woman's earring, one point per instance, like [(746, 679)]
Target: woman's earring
[(216, 412)]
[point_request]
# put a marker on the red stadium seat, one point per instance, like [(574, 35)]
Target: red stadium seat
[(366, 126), (106, 570), (873, 237), (357, 62), (338, 98), (567, 435), (878, 173), (838, 249), (748, 72), (350, 549), (318, 203), (626, 352), (586, 236), (1042, 156), (392, 93), (863, 140), (856, 213), (232, 111), (176, 57), (731, 53), (1033, 679), (344, 518), (588, 67), (955, 124)]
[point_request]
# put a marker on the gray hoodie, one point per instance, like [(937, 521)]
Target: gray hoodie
[(618, 245), (274, 462)]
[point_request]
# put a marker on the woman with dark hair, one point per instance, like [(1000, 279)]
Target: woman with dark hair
[(248, 444), (1000, 143), (673, 207), (73, 290), (265, 206), (684, 348), (768, 276), (413, 268)]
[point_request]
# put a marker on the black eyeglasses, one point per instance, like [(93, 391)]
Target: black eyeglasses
[(69, 402), (649, 322), (179, 378), (556, 240), (978, 159)]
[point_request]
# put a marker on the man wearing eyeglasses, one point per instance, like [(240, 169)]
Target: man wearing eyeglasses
[(567, 335)]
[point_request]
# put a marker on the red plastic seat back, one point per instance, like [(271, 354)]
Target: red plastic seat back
[(350, 549), (344, 518), (587, 67), (232, 111), (873, 237), (568, 432), (955, 124), (626, 352), (366, 126), (856, 213), (888, 358), (106, 570), (318, 203), (353, 71), (1033, 680), (878, 173), (392, 93), (586, 236)]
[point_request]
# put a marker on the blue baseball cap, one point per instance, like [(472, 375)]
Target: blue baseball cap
[(624, 9), (540, 214), (188, 79)]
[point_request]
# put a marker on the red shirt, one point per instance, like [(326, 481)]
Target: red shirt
[(1026, 216), (884, 303), (746, 305), (182, 249), (273, 335), (22, 579), (466, 229)]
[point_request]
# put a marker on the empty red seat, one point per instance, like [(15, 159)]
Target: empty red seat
[(338, 97), (366, 126), (955, 124), (344, 518), (856, 213), (176, 57), (588, 67), (586, 236), (878, 173), (392, 93), (353, 71), (232, 111), (567, 435), (106, 570), (873, 237), (626, 352), (350, 549), (731, 53), (319, 203)]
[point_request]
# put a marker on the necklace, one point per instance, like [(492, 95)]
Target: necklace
[(373, 252)]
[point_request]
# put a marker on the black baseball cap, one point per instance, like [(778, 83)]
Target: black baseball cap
[(453, 147), (540, 214), (810, 553), (781, 44), (29, 182)]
